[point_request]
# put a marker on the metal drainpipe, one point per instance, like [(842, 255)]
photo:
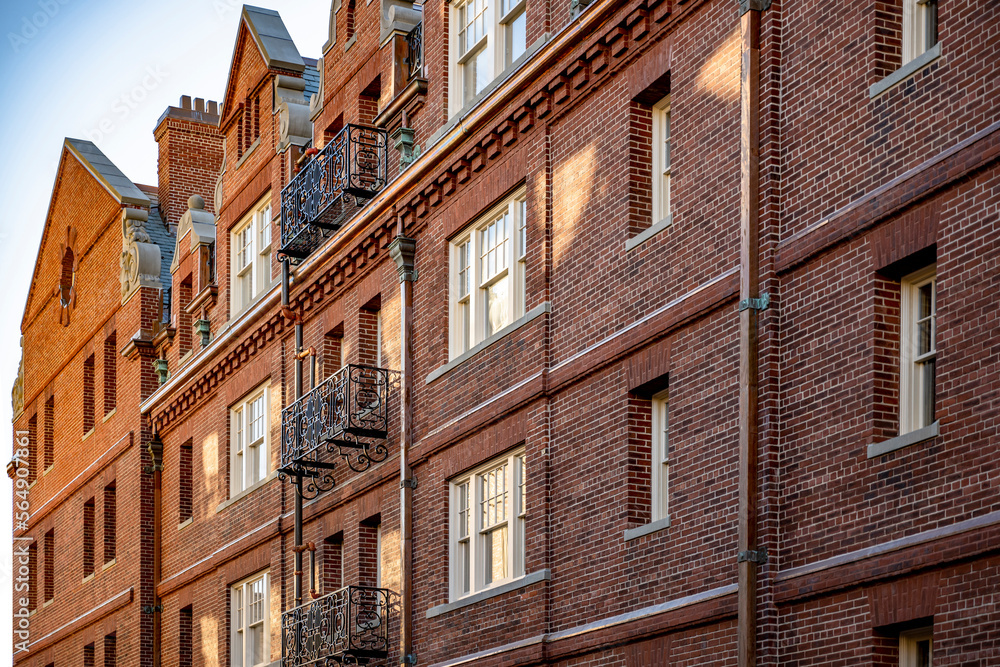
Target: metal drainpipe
[(297, 547), (402, 251), (156, 456), (749, 556)]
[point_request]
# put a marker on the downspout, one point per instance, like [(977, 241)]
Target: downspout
[(155, 449), (402, 251), (286, 310), (749, 556)]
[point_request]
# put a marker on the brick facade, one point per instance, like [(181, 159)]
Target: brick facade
[(867, 535)]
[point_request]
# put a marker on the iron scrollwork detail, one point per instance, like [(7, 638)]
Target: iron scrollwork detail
[(414, 51), (350, 169), (347, 627), (344, 416)]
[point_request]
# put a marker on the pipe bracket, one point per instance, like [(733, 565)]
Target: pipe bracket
[(758, 557), (755, 5), (763, 303)]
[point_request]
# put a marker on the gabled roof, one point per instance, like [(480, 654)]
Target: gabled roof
[(91, 157), (268, 32), (104, 172)]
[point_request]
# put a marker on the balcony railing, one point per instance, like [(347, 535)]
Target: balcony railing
[(415, 52), (347, 627), (347, 415), (350, 169)]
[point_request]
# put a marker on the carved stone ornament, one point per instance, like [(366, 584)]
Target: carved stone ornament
[(66, 289), (398, 17), (140, 263), (294, 126), (218, 182), (17, 393)]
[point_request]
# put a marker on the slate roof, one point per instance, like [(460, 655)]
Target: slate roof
[(311, 76)]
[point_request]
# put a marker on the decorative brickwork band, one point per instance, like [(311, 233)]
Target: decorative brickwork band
[(402, 250), (140, 261)]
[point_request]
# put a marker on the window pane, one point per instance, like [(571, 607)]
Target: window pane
[(463, 510), (477, 73), (463, 270), (264, 223), (497, 306), (516, 35), (928, 371), (494, 494), (464, 561), (257, 418), (522, 229), (256, 647), (496, 553)]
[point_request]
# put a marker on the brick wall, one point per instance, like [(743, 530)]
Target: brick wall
[(572, 386)]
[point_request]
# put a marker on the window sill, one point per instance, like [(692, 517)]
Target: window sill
[(109, 415), (906, 71), (351, 42), (246, 492), (517, 584), (899, 442), (249, 151), (89, 577), (648, 233), (88, 434), (254, 300), (648, 529), (476, 349), (46, 471), (109, 564), (185, 523)]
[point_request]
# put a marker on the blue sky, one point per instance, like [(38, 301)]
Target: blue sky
[(102, 70)]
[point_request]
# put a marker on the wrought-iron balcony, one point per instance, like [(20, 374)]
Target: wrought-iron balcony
[(415, 52), (347, 627), (350, 169), (347, 415)]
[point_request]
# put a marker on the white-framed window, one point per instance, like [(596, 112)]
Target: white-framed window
[(660, 450), (250, 429), (916, 647), (919, 27), (251, 244), (488, 515), (487, 36), (661, 160), (249, 609), (917, 349), (488, 264)]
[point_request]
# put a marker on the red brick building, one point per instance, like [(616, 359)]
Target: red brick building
[(651, 332)]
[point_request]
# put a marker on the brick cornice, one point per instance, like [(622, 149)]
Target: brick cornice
[(633, 30), (968, 156)]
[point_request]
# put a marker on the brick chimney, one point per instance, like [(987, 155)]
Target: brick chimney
[(191, 149)]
